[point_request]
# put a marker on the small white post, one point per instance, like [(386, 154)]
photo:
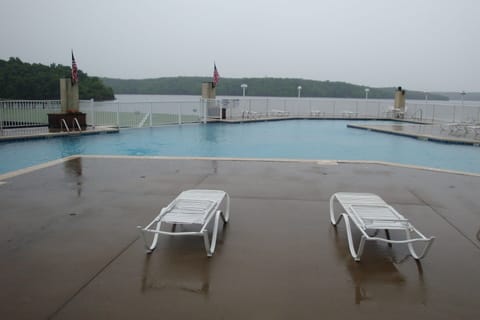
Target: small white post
[(367, 90), (179, 113), (204, 104), (118, 114), (1, 119), (92, 112), (219, 109), (151, 115)]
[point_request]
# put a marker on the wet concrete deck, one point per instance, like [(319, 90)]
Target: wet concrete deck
[(69, 247)]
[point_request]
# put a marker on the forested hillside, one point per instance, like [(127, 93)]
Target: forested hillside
[(20, 80), (468, 96), (272, 87)]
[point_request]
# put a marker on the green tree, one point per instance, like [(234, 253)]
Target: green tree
[(19, 80)]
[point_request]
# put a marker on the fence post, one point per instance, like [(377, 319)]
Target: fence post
[(151, 115), (92, 112), (202, 102), (118, 114), (454, 111), (1, 119), (179, 110)]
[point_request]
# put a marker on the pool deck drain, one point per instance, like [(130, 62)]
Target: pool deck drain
[(70, 248)]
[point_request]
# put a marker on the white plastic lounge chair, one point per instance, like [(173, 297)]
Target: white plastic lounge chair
[(369, 212), (393, 112), (277, 112), (454, 128), (317, 113), (191, 207), (250, 115)]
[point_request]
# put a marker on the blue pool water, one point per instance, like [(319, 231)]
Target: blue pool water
[(293, 139)]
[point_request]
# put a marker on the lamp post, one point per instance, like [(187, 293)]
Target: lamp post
[(426, 97), (244, 87), (463, 93), (367, 90), (299, 89)]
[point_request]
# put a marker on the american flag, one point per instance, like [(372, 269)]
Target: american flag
[(74, 70), (216, 76)]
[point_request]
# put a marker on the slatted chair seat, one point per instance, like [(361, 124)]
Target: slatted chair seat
[(368, 212), (191, 207)]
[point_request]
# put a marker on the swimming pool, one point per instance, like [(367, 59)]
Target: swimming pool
[(289, 139)]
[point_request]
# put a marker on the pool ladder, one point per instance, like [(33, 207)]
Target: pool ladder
[(63, 124)]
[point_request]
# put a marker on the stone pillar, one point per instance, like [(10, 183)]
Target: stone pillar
[(69, 101), (208, 90), (209, 94), (400, 99), (69, 96), (64, 94)]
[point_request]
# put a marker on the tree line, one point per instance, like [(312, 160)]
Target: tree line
[(21, 80), (271, 87)]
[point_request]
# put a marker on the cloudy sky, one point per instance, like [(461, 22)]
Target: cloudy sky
[(418, 44)]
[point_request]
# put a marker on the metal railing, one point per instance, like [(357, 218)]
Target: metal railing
[(348, 108), (22, 117), (25, 116), (123, 114)]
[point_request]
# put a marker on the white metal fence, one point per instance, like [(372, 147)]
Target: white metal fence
[(25, 116), (348, 108), (142, 114), (21, 116)]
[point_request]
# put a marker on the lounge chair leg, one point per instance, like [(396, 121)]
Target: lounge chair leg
[(425, 249), (210, 245), (153, 245), (387, 232), (332, 213), (360, 249), (226, 216), (206, 241), (356, 254)]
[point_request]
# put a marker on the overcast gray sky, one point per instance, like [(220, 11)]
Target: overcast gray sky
[(418, 44)]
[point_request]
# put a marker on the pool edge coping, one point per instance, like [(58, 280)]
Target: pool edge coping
[(47, 164), (425, 137)]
